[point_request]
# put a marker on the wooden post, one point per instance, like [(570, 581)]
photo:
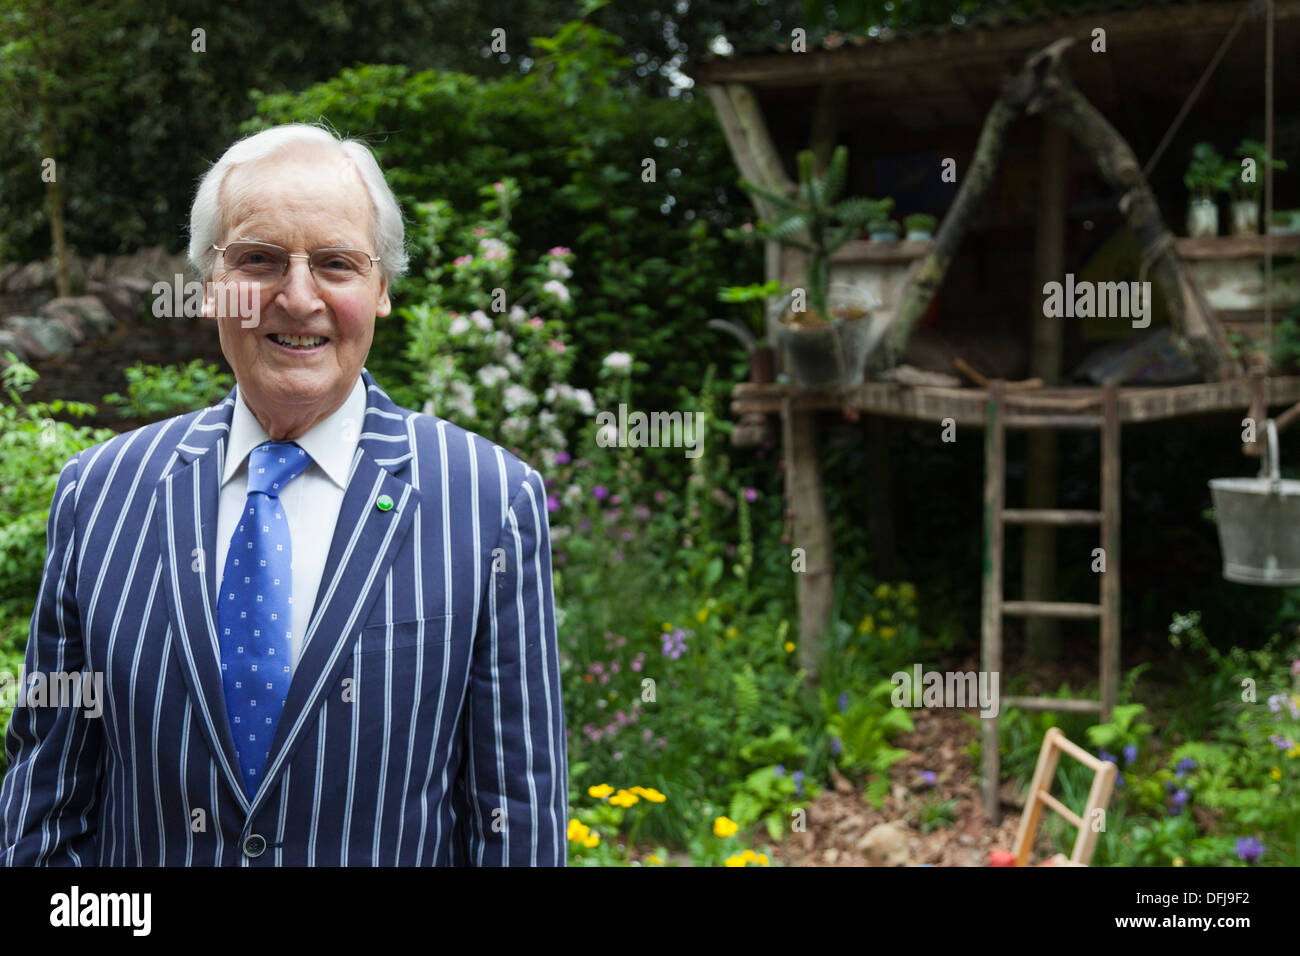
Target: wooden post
[(1110, 540), (1038, 564), (815, 586), (991, 617)]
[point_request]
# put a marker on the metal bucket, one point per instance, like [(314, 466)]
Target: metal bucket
[(1259, 523)]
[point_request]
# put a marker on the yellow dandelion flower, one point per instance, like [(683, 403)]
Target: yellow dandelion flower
[(667, 626), (888, 633), (600, 791), (578, 830), (1276, 773), (882, 592), (762, 859), (731, 632), (653, 859), (866, 625), (789, 646), (624, 798), (591, 840), (723, 827), (749, 856), (1178, 861), (734, 861), (1294, 752), (703, 615), (653, 795)]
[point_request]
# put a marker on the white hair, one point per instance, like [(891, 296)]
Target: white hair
[(386, 215)]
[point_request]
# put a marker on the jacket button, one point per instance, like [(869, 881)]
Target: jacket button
[(255, 845)]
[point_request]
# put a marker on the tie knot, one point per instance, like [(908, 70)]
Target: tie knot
[(272, 465)]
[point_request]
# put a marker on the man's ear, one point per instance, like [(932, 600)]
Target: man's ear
[(383, 306)]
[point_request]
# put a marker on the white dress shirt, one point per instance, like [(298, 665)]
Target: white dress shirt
[(311, 501)]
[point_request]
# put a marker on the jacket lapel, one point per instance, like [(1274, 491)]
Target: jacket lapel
[(186, 524), (366, 540)]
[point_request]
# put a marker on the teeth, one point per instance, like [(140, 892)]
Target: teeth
[(299, 341)]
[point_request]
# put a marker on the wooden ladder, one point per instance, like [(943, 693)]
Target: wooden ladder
[(995, 607)]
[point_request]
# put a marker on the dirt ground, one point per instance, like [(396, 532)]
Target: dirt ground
[(839, 818)]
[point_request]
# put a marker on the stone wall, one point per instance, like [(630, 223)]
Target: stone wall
[(82, 344)]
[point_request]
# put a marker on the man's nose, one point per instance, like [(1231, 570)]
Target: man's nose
[(299, 294)]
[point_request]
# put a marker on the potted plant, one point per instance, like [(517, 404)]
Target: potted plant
[(883, 229), (753, 334), (1284, 222), (1245, 195), (824, 329), (920, 226), (1206, 175)]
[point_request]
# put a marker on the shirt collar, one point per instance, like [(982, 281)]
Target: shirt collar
[(331, 443)]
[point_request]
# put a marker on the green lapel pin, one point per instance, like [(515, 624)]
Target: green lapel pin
[(384, 503)]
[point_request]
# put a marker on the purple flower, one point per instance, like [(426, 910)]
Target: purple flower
[(1130, 754), (562, 458), (1185, 766), (1180, 801), (844, 702), (929, 778), (674, 643), (780, 769), (836, 746), (797, 777), (600, 492), (552, 503), (1280, 742), (1105, 754), (1249, 849), (641, 511), (751, 494), (661, 497)]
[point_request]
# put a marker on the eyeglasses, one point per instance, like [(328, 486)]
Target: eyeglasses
[(266, 264)]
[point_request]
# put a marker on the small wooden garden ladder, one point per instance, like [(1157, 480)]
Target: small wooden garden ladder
[(995, 607)]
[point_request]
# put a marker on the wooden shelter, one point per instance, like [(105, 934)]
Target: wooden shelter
[(1044, 123)]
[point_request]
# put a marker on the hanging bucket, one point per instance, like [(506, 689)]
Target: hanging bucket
[(1259, 523)]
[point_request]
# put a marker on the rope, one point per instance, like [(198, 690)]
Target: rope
[(1196, 90)]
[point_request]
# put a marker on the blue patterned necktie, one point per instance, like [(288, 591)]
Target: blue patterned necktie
[(254, 609)]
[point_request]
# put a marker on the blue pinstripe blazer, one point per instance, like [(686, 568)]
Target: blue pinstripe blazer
[(423, 724)]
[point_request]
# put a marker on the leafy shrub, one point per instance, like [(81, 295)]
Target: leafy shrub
[(160, 391)]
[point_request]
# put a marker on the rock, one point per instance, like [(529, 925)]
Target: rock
[(85, 316), (9, 342), (34, 275), (97, 270), (831, 855), (125, 305), (885, 845), (136, 285), (44, 337), (7, 272)]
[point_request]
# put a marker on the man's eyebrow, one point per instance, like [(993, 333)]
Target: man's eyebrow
[(332, 242)]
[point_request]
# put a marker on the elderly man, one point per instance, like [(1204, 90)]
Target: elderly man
[(324, 624)]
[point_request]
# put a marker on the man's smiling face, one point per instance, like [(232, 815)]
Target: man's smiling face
[(303, 198)]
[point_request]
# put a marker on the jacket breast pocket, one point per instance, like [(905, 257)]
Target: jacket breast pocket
[(429, 631)]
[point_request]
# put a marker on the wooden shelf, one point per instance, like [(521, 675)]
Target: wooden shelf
[(966, 406), (861, 250), (1236, 247)]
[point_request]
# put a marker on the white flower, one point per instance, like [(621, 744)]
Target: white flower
[(517, 314), (572, 495), (618, 361), (557, 268), (479, 318), (546, 418), (557, 289), (586, 405), (514, 427), (517, 397), (459, 325), (501, 342), (513, 362), (490, 375)]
